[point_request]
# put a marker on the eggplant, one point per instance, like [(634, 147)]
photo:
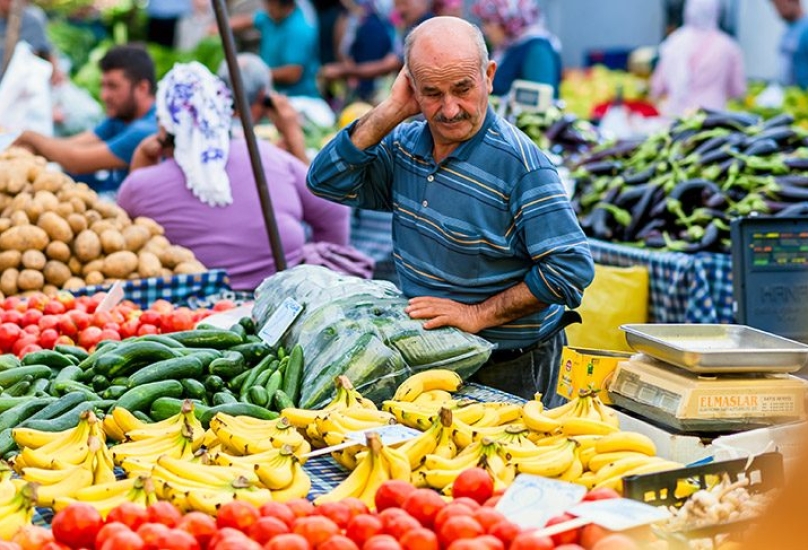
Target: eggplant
[(711, 144), (652, 227), (783, 119), (630, 194), (694, 192), (683, 135), (798, 209), (603, 167), (796, 163), (792, 192), (798, 180), (642, 176), (729, 120), (620, 150), (710, 238), (716, 200), (762, 147), (556, 128), (640, 212), (780, 134)]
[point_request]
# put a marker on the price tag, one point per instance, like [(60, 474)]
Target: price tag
[(113, 298), (280, 321), (389, 435), (619, 514), (531, 500)]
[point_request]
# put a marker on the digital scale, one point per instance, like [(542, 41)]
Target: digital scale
[(770, 274), (526, 97)]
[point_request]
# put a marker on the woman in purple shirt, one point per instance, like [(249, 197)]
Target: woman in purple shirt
[(198, 184)]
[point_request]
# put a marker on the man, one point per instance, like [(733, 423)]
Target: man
[(127, 91), (32, 30), (794, 44), (485, 238)]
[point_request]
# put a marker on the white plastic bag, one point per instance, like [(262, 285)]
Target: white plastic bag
[(25, 96)]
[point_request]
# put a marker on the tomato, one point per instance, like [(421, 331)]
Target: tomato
[(399, 524), (150, 532), (11, 316), (356, 506), (147, 328), (381, 542), (468, 501), (466, 544), (528, 541), (177, 539), (31, 317), (49, 321), (505, 531), (54, 307), (67, 326), (200, 525), (66, 340), (77, 525), (227, 534), (48, 338), (123, 540), (80, 318), (278, 510), (265, 528), (570, 536), (288, 541), (32, 537), (233, 543), (420, 538), (182, 319), (107, 531), (237, 514), (490, 542), (338, 542), (592, 533), (392, 493), (37, 301), (450, 510), (475, 483), (129, 328), (89, 337), (424, 505), (601, 493), (11, 302), (616, 541), (493, 501), (161, 306), (362, 527), (52, 545), (315, 529), (487, 517), (224, 305), (459, 527), (28, 347), (33, 330), (66, 299), (12, 545), (338, 512), (579, 547), (150, 317), (130, 514), (164, 512), (9, 333), (300, 507)]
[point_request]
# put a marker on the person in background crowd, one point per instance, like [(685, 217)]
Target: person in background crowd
[(265, 103), (290, 47), (193, 27), (162, 17), (197, 182), (794, 44), (33, 26), (127, 92), (521, 44), (485, 237), (452, 8), (331, 18), (699, 65)]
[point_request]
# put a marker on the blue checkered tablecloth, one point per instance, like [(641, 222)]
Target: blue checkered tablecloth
[(325, 473), (179, 289), (685, 288)]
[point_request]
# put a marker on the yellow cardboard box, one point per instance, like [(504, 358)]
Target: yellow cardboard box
[(583, 369)]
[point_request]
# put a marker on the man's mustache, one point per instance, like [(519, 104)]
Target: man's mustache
[(457, 118)]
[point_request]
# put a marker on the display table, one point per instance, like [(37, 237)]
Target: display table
[(684, 288)]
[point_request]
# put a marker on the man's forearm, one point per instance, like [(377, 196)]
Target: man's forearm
[(507, 306), (374, 126)]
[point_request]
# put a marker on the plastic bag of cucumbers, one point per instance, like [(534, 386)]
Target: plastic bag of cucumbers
[(358, 328)]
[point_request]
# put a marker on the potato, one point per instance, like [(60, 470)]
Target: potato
[(56, 273), (24, 237), (8, 282), (112, 241), (102, 225), (92, 216), (19, 217), (17, 179), (5, 223), (94, 278), (47, 199), (153, 227), (10, 259), (106, 208), (33, 259), (33, 210), (57, 250), (148, 265), (174, 255), (48, 180), (119, 265), (86, 245), (5, 200), (74, 283), (30, 279), (77, 223), (135, 237), (157, 244), (78, 205), (50, 290), (95, 265), (64, 209), (75, 265), (193, 266), (167, 273), (56, 227)]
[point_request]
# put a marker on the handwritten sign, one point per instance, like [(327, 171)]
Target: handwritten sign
[(531, 500), (619, 514), (280, 321)]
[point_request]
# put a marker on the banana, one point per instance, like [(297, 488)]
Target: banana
[(586, 456), (585, 426), (436, 396), (587, 479), (619, 467), (163, 478), (413, 415), (299, 418), (550, 464), (278, 472), (536, 452), (418, 447), (209, 501), (353, 420), (489, 419), (460, 463), (397, 463), (28, 437), (103, 467), (299, 488), (436, 479), (105, 490), (535, 419), (562, 411), (607, 414), (358, 480), (80, 478), (136, 467), (427, 380), (602, 459), (211, 474), (573, 472), (112, 429), (616, 481), (127, 421), (626, 441), (11, 523), (148, 450), (279, 431), (508, 412), (379, 473)]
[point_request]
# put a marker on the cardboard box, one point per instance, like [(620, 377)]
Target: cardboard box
[(584, 369)]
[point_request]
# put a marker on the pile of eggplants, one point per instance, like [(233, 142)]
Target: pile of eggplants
[(679, 189), (558, 132)]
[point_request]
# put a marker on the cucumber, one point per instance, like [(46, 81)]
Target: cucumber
[(257, 395), (213, 383), (236, 382), (281, 352), (119, 381), (255, 372), (39, 387), (139, 398), (114, 392), (194, 389), (131, 356), (282, 401), (9, 377), (9, 361), (90, 361), (238, 329), (57, 408), (70, 372), (253, 351), (8, 402), (99, 383), (48, 357), (248, 324), (222, 397), (262, 378), (15, 415), (206, 355), (68, 419), (238, 409), (7, 443), (176, 368), (229, 365), (293, 375), (20, 387), (166, 407), (143, 417), (66, 386), (160, 339), (273, 383), (216, 339), (77, 352), (252, 339)]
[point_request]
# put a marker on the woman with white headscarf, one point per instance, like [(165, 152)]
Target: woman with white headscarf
[(699, 65), (198, 184), (520, 43)]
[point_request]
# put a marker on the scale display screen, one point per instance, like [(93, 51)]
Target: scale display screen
[(770, 274)]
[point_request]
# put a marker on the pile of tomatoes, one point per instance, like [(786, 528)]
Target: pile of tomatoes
[(406, 518), (40, 321)]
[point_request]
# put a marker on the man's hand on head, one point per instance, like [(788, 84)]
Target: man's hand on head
[(442, 312)]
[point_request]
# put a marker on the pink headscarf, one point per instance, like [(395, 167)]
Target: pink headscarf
[(515, 16)]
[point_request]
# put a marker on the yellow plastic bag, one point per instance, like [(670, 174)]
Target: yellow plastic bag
[(617, 295)]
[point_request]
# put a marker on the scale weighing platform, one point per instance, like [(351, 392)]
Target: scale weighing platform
[(770, 274)]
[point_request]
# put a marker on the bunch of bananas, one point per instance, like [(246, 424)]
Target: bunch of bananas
[(105, 497), (374, 466), (178, 436), (442, 380), (17, 503), (278, 469), (245, 435), (582, 415)]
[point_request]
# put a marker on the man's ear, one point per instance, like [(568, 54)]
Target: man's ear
[(489, 75), (143, 88)]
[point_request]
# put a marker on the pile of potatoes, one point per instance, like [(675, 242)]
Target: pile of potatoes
[(58, 234)]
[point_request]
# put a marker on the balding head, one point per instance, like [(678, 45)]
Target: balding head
[(439, 38)]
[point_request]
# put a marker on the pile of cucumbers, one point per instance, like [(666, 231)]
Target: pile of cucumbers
[(228, 370)]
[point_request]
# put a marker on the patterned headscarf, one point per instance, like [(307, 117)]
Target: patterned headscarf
[(702, 14), (196, 107), (515, 16)]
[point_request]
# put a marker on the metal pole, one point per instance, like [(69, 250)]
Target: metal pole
[(243, 108), (13, 24)]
